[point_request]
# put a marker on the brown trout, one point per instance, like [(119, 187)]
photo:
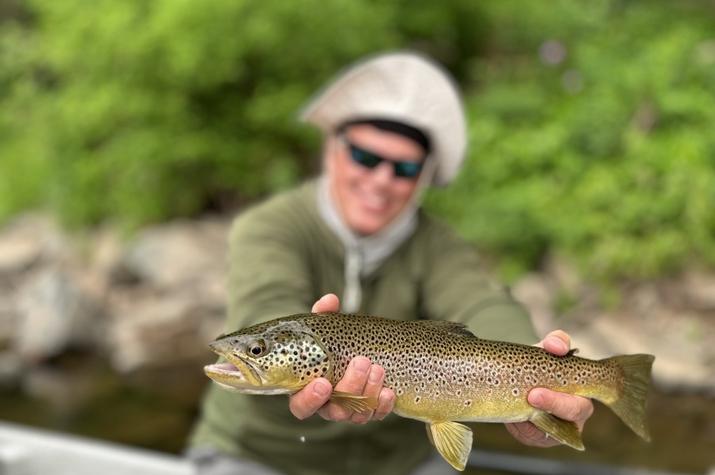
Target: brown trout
[(440, 372)]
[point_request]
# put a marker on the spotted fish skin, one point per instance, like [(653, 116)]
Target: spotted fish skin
[(440, 372)]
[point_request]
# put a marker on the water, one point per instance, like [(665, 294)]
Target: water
[(156, 409)]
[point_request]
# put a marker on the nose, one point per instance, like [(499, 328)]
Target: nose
[(383, 173)]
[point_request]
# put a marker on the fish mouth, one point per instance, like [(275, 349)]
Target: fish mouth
[(237, 374), (242, 380)]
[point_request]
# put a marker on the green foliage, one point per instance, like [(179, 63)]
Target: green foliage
[(138, 111), (605, 156)]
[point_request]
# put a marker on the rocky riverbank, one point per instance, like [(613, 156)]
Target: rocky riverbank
[(156, 299)]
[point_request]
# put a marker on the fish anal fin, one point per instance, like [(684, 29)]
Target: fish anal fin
[(561, 430), (452, 440), (360, 404)]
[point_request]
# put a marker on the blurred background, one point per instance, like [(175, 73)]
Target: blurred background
[(132, 131)]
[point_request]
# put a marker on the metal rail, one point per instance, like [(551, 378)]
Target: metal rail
[(29, 451)]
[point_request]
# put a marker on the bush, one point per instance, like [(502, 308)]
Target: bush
[(141, 111), (590, 122), (604, 155)]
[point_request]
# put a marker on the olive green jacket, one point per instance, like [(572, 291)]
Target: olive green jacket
[(283, 258)]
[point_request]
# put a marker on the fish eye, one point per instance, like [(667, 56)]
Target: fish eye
[(257, 348)]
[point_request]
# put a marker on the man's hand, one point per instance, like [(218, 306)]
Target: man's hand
[(361, 378), (565, 406)]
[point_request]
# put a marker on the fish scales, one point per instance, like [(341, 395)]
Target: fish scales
[(453, 375), (440, 372)]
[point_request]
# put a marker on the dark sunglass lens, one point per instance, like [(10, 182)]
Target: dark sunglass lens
[(364, 157), (408, 169)]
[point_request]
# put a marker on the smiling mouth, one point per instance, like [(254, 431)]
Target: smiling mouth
[(372, 202)]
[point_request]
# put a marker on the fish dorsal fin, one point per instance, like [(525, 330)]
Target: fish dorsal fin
[(452, 440), (447, 326), (563, 431)]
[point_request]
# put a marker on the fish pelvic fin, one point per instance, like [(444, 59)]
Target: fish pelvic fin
[(630, 405), (359, 404), (561, 430), (452, 440)]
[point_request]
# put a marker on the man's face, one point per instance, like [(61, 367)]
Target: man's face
[(370, 198)]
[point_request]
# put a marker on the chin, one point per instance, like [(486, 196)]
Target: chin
[(368, 226)]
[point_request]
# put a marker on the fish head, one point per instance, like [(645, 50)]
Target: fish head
[(280, 358)]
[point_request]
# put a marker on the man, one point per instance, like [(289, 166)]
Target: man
[(393, 125)]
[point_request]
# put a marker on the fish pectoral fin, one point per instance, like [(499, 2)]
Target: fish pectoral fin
[(360, 404), (563, 431), (452, 440)]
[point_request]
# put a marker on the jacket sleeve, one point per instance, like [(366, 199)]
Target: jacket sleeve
[(268, 278), (456, 288), (268, 270)]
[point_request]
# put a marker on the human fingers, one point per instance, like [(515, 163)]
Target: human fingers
[(564, 406), (557, 342), (385, 404), (528, 434), (312, 397), (373, 387), (352, 382), (326, 303)]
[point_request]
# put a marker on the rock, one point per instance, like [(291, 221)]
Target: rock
[(157, 301), (697, 290), (10, 369), (54, 313), (105, 258), (8, 317), (156, 331), (679, 342), (672, 319), (180, 254), (177, 303), (23, 242)]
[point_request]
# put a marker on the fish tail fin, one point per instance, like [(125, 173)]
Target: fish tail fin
[(630, 405)]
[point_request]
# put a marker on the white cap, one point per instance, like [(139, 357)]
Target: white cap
[(403, 87)]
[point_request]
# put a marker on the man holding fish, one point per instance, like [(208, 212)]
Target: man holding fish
[(394, 125)]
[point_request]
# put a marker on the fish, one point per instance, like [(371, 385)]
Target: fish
[(441, 373)]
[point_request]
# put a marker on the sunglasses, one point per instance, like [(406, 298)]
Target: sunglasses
[(403, 169)]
